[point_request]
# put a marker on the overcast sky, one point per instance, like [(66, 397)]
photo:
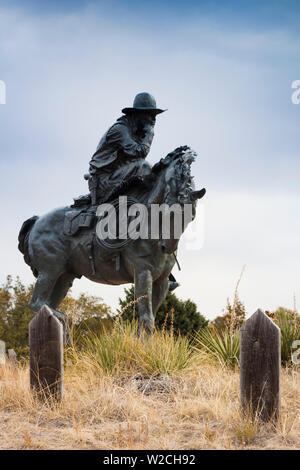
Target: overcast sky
[(223, 71)]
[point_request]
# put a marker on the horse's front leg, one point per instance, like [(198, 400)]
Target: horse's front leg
[(143, 289), (159, 293)]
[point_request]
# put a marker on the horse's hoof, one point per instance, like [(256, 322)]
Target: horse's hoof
[(145, 330)]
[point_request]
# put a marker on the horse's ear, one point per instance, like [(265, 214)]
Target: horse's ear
[(194, 195)]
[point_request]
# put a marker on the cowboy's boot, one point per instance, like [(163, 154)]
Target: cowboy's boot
[(173, 284)]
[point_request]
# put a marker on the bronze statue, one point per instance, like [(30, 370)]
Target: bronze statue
[(64, 244)]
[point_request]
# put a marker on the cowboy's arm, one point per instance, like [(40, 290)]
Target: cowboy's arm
[(120, 137)]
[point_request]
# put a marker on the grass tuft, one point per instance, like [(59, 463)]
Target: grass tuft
[(222, 346), (122, 350)]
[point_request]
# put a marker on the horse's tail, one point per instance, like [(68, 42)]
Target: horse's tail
[(23, 240)]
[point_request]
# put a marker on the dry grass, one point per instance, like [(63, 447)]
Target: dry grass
[(195, 408)]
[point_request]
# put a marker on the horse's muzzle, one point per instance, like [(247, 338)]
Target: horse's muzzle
[(194, 195)]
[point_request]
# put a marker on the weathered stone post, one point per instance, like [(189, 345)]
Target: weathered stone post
[(46, 354), (260, 360), (12, 357)]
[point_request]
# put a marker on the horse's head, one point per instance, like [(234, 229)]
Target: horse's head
[(175, 190), (179, 184)]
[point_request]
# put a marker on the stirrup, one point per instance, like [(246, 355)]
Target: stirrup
[(173, 285)]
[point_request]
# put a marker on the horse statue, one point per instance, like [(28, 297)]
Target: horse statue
[(64, 244)]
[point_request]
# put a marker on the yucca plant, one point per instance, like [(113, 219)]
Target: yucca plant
[(122, 350), (223, 347), (113, 350)]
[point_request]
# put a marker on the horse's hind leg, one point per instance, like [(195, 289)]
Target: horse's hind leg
[(42, 291), (60, 290), (42, 294)]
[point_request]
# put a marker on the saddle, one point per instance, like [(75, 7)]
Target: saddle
[(77, 219), (82, 217)]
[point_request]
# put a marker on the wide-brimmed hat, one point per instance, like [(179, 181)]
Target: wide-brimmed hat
[(144, 102)]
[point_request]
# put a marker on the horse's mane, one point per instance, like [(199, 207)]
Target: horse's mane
[(146, 182), (166, 161)]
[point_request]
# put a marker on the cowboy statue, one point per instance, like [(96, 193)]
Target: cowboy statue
[(122, 151), (64, 245)]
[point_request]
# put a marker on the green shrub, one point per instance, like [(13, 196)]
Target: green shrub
[(289, 324), (222, 347)]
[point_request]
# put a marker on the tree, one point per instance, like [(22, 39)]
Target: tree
[(86, 313), (183, 315), (15, 314), (238, 316)]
